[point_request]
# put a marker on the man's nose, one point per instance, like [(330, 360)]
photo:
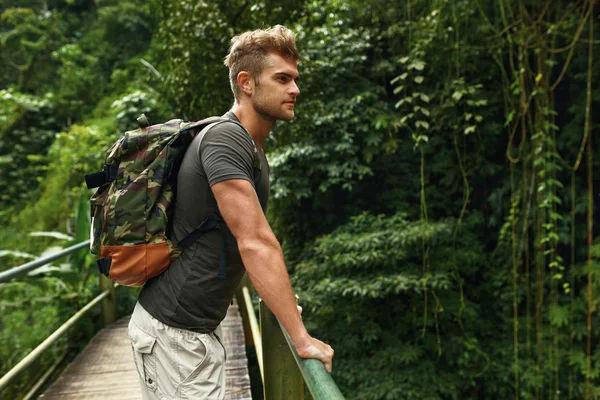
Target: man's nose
[(294, 89)]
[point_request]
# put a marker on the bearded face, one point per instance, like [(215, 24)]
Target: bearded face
[(276, 89)]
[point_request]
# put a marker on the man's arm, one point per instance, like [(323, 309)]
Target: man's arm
[(263, 259)]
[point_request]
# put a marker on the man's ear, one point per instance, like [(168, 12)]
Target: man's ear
[(245, 82)]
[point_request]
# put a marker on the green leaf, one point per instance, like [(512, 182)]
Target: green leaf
[(16, 254), (539, 162), (398, 89), (556, 183), (550, 126), (56, 235), (418, 65), (555, 199), (556, 216), (396, 79), (407, 99), (509, 118), (420, 138), (559, 315), (422, 124), (419, 79), (457, 95)]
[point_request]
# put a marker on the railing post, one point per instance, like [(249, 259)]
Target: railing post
[(109, 304), (239, 295), (282, 377)]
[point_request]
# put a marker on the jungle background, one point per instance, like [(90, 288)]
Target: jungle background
[(434, 195)]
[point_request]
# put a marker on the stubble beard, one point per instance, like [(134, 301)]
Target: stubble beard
[(271, 111)]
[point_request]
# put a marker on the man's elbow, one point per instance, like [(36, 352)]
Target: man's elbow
[(259, 245)]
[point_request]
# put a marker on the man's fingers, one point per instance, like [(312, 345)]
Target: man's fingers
[(329, 365), (321, 351), (327, 359), (299, 310)]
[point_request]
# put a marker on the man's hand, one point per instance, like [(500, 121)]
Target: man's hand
[(319, 350), (316, 349)]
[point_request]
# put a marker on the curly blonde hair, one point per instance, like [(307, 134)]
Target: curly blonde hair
[(249, 50)]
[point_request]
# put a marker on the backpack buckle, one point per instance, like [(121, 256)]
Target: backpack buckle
[(97, 179), (143, 120), (111, 171), (104, 265)]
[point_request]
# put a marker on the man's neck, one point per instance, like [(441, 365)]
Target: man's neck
[(258, 126)]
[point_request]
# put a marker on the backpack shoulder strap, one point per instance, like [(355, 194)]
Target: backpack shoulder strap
[(257, 161)]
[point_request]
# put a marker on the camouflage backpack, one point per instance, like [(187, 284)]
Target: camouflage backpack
[(130, 210)]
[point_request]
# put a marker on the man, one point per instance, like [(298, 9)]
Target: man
[(177, 352)]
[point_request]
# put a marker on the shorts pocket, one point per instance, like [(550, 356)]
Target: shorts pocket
[(206, 379), (193, 353), (142, 344)]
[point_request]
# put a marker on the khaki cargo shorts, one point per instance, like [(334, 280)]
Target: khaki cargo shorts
[(176, 363)]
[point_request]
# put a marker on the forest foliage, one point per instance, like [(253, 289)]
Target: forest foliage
[(434, 195)]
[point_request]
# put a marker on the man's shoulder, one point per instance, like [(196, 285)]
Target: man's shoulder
[(228, 125), (227, 130)]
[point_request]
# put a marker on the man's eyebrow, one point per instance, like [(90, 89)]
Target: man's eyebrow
[(288, 75)]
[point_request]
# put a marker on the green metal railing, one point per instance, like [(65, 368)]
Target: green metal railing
[(108, 310), (40, 262), (283, 371)]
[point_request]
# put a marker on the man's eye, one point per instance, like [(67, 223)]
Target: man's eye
[(282, 79)]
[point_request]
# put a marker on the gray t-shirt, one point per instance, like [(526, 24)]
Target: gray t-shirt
[(189, 294)]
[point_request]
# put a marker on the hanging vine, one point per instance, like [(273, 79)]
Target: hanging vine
[(535, 58), (529, 92)]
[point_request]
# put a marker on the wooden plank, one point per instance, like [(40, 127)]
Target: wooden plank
[(105, 368), (107, 394)]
